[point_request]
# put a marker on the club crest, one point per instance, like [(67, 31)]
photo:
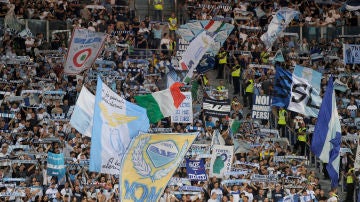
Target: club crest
[(163, 155)]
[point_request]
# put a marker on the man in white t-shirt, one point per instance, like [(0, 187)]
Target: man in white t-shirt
[(333, 197), (165, 41), (213, 198), (217, 190), (52, 191), (249, 193), (235, 192)]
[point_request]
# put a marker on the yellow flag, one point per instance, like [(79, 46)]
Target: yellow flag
[(150, 163)]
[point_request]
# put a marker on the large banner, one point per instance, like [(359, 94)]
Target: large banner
[(56, 165), (304, 98), (216, 108), (351, 53), (295, 94), (184, 114), (85, 46), (115, 122), (221, 160), (149, 164), (261, 107), (196, 170)]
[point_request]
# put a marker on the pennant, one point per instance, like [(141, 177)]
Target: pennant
[(85, 46), (279, 57), (195, 170)]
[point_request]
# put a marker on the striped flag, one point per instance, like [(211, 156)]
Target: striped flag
[(213, 26), (316, 57), (327, 135), (163, 103)]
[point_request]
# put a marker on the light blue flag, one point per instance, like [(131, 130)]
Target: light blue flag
[(312, 76), (340, 86), (279, 57), (327, 135), (55, 165), (278, 24), (115, 122), (81, 118)]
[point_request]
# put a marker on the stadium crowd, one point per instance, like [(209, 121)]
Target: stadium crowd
[(33, 123)]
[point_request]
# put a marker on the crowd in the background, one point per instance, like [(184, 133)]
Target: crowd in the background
[(33, 122)]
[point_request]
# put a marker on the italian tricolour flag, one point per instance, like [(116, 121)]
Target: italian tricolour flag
[(162, 103)]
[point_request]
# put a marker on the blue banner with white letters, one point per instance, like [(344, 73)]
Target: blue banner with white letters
[(196, 170)]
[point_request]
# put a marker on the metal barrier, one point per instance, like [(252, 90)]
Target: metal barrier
[(46, 27)]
